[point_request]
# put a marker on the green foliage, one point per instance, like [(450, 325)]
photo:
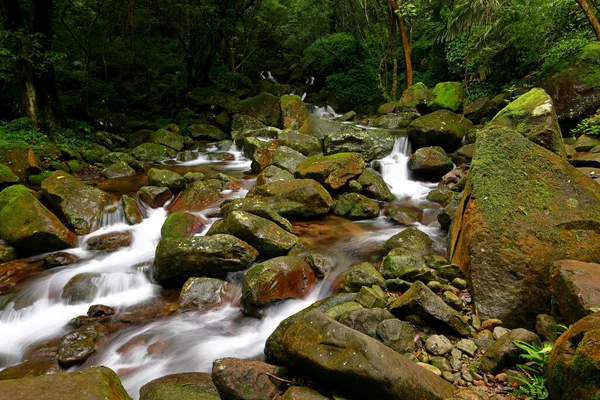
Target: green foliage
[(21, 130), (536, 359), (332, 54), (562, 50), (589, 126), (355, 88)]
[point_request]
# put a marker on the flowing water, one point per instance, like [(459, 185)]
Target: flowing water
[(190, 341)]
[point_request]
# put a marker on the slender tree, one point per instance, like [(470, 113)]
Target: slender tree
[(591, 16), (406, 44)]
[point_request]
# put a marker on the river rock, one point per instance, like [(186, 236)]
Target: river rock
[(586, 143), (256, 207), (21, 160), (441, 128), (59, 259), (397, 335), (178, 259), (7, 253), (420, 300), (155, 196), (166, 178), (573, 368), (358, 276), (110, 241), (211, 96), (278, 155), (478, 109), (204, 294), (533, 115), (305, 144), (153, 153), (374, 186), (186, 386), (371, 297), (95, 383), (275, 280), (119, 169), (238, 379), (31, 368), (372, 144), (403, 215), (131, 210), (273, 173), (81, 288), (81, 205), (302, 393), (167, 138), (331, 171), (293, 111), (319, 127), (504, 353), (77, 346), (575, 289), (31, 228), (407, 265), (411, 239), (430, 162), (265, 236), (7, 177), (359, 364), (118, 157), (502, 208), (438, 345), (196, 197), (207, 132), (296, 198), (417, 96), (354, 205), (181, 224), (447, 96), (264, 107), (399, 120), (366, 320)]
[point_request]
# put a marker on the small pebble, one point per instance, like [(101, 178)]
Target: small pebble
[(459, 283), (490, 324), (449, 376), (499, 332), (430, 368)]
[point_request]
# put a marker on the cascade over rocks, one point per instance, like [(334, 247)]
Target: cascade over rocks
[(522, 209), (361, 365), (81, 205), (178, 259), (533, 116)]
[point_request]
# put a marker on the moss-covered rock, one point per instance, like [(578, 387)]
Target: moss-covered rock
[(533, 115), (153, 153), (374, 186), (411, 239), (119, 169), (241, 122), (296, 198), (114, 157), (320, 127), (256, 207), (77, 346), (7, 253), (396, 121), (178, 259), (12, 193), (79, 204), (275, 280), (586, 143), (503, 208), (186, 386), (417, 96), (276, 154), (387, 108), (182, 224), (478, 109), (7, 177), (204, 294), (264, 107), (166, 178), (249, 380), (37, 179), (430, 162), (154, 196), (273, 173), (276, 89), (447, 96), (207, 132), (265, 236), (305, 144), (95, 383), (408, 265), (131, 210), (354, 205), (441, 128), (358, 276), (211, 96), (196, 197), (20, 158), (293, 111), (371, 143), (167, 138), (331, 171)]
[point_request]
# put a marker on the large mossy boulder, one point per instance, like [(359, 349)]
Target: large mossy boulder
[(7, 177), (196, 197), (575, 287), (331, 171), (356, 206), (320, 127), (374, 186), (442, 128), (265, 236), (574, 367), (20, 158), (207, 132), (305, 144), (371, 143), (79, 204), (273, 174), (293, 111), (574, 85), (430, 163), (533, 116), (356, 277), (30, 227), (275, 280), (265, 107), (167, 138), (417, 96), (182, 224), (399, 120), (358, 364), (186, 386), (178, 259), (166, 178), (296, 198), (95, 383), (447, 96), (411, 239), (276, 154), (522, 209), (153, 153)]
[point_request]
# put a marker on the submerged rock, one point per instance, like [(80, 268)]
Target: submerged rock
[(178, 259), (204, 294), (556, 215), (97, 383)]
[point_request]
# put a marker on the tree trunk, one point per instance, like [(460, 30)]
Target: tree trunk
[(406, 45), (589, 13)]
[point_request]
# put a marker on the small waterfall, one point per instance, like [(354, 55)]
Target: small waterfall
[(113, 216), (310, 80), (325, 112), (269, 76), (394, 170)]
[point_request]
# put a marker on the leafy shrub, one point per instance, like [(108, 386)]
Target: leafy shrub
[(21, 130), (563, 50), (332, 54), (356, 89), (589, 126), (536, 358)]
